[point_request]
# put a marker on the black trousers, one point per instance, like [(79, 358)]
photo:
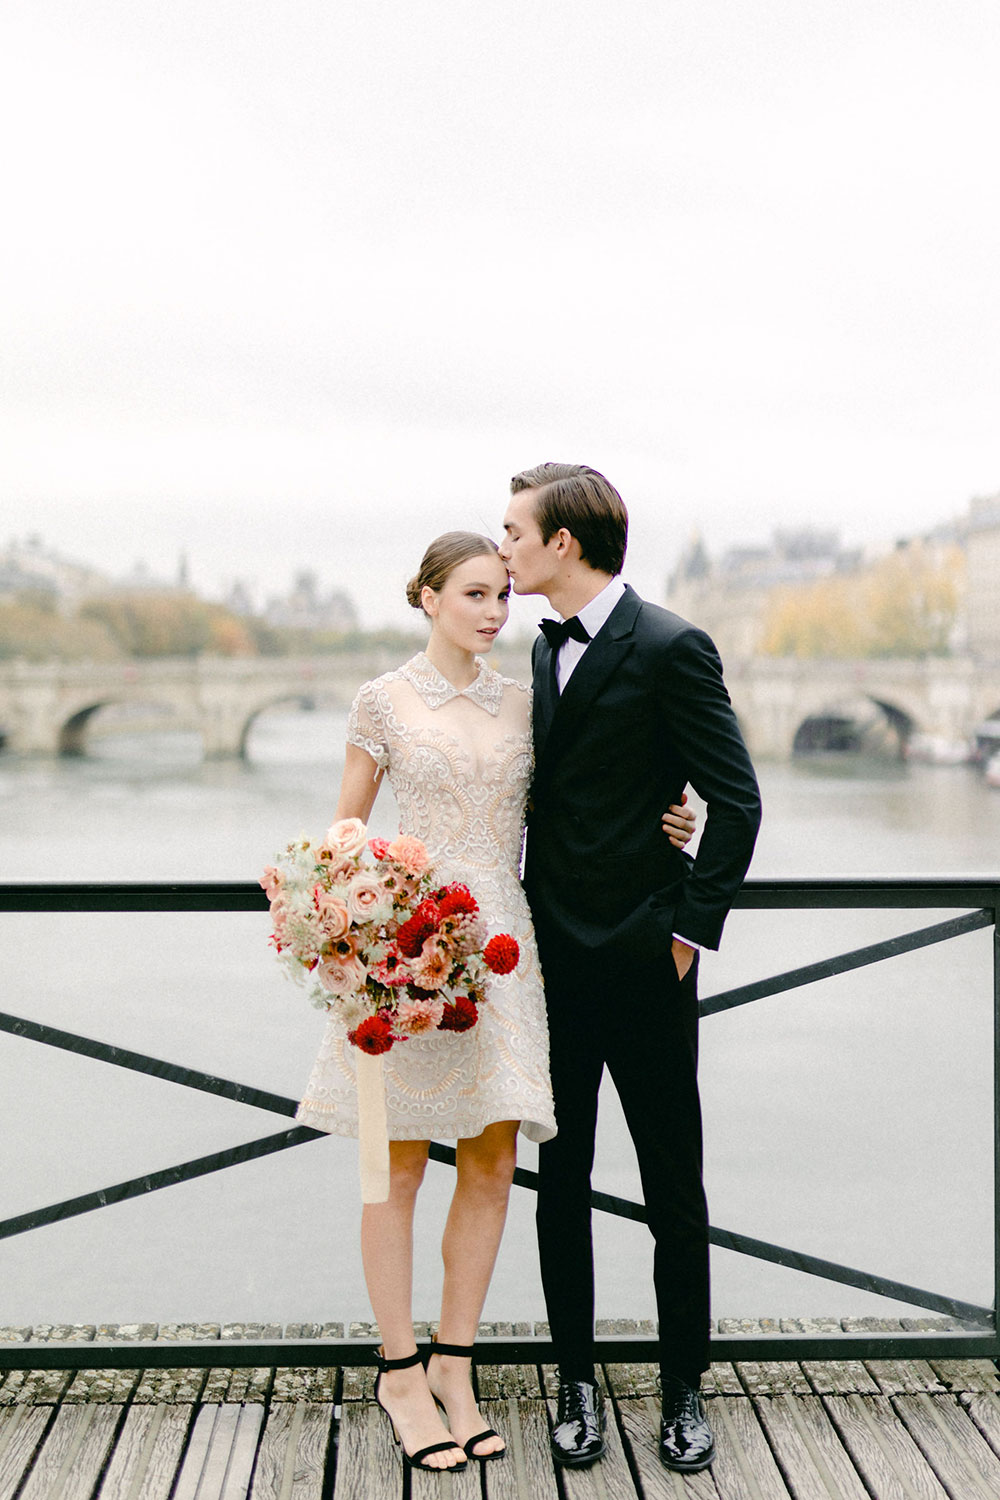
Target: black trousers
[(642, 1023)]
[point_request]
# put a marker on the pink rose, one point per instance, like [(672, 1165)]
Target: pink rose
[(341, 976), (411, 853), (367, 898), (346, 837), (337, 868), (333, 914)]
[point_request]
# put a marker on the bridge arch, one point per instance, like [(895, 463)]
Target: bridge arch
[(306, 698), (72, 732), (854, 723)]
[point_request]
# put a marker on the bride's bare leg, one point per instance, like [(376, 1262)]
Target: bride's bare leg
[(387, 1253), (471, 1241)]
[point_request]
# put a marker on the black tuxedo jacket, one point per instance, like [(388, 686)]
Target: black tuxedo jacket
[(644, 713)]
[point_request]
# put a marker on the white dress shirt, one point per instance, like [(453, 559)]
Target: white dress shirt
[(593, 616)]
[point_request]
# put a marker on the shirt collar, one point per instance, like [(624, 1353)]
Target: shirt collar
[(485, 689), (596, 614)]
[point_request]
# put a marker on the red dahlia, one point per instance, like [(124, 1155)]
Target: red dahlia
[(460, 1016), (373, 1035), (414, 932), (456, 900), (501, 953)]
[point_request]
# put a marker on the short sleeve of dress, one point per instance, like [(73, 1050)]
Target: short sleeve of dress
[(366, 725)]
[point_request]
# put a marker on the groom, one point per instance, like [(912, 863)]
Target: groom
[(629, 707)]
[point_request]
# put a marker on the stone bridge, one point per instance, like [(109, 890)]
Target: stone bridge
[(942, 696), (46, 708)]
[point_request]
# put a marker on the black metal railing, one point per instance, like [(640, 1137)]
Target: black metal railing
[(975, 1336)]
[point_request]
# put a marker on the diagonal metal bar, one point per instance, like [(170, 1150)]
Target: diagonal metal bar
[(244, 1094), (136, 1187), (843, 963), (778, 1255), (139, 1062)]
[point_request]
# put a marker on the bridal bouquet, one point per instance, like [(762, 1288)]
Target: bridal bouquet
[(390, 951)]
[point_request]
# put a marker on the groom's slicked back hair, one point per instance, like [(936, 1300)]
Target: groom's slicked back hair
[(586, 504)]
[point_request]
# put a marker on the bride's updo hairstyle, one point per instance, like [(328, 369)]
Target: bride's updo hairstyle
[(443, 556)]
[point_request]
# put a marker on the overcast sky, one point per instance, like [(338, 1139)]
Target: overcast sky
[(299, 282)]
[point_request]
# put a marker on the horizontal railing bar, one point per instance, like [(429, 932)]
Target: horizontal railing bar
[(788, 892), (141, 1062), (137, 1187), (844, 963), (840, 892), (614, 1349), (133, 896)]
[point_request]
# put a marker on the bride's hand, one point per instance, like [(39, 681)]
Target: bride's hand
[(679, 823)]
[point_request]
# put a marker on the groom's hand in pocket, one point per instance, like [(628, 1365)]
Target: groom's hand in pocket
[(683, 957)]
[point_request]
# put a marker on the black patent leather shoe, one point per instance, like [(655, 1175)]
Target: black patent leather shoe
[(578, 1436), (686, 1441)]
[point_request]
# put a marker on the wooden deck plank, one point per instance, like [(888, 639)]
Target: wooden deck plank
[(220, 1457), (147, 1453), (640, 1423), (69, 1462), (632, 1381), (318, 1383), (527, 1472), (771, 1377), (984, 1410), (21, 1431), (294, 1452), (368, 1461), (904, 1377), (721, 1379), (499, 1382), (839, 1377), (966, 1374), (744, 1467), (952, 1445), (884, 1454), (806, 1446)]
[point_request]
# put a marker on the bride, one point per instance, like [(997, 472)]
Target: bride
[(454, 737)]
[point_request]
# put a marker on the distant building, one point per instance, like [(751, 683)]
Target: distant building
[(729, 598), (28, 566), (307, 608), (982, 544)]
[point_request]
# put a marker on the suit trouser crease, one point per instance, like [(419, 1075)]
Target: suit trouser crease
[(642, 1023)]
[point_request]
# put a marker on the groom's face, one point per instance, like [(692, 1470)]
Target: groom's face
[(531, 562)]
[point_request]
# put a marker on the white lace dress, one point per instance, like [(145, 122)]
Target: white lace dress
[(459, 764)]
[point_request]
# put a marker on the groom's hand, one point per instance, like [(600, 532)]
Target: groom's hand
[(683, 957)]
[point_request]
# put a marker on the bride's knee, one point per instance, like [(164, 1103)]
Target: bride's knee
[(486, 1164)]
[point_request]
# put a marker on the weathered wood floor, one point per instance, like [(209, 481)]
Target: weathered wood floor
[(836, 1430)]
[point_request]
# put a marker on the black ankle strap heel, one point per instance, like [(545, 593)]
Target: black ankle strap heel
[(464, 1351), (414, 1460)]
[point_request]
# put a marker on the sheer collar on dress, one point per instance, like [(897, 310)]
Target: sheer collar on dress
[(485, 689)]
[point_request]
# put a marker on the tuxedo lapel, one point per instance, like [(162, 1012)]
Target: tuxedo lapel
[(601, 658), (545, 690)]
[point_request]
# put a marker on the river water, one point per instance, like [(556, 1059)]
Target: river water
[(851, 1120)]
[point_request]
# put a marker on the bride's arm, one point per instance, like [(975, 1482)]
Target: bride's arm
[(359, 784), (679, 823)]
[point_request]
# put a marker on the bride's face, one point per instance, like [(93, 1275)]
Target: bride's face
[(471, 607)]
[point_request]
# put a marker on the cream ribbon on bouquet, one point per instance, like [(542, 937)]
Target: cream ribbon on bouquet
[(373, 1129)]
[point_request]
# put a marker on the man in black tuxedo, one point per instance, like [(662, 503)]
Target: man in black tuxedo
[(629, 707)]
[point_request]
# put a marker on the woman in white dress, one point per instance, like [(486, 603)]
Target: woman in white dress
[(454, 737)]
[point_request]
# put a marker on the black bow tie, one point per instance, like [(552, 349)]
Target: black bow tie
[(556, 632)]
